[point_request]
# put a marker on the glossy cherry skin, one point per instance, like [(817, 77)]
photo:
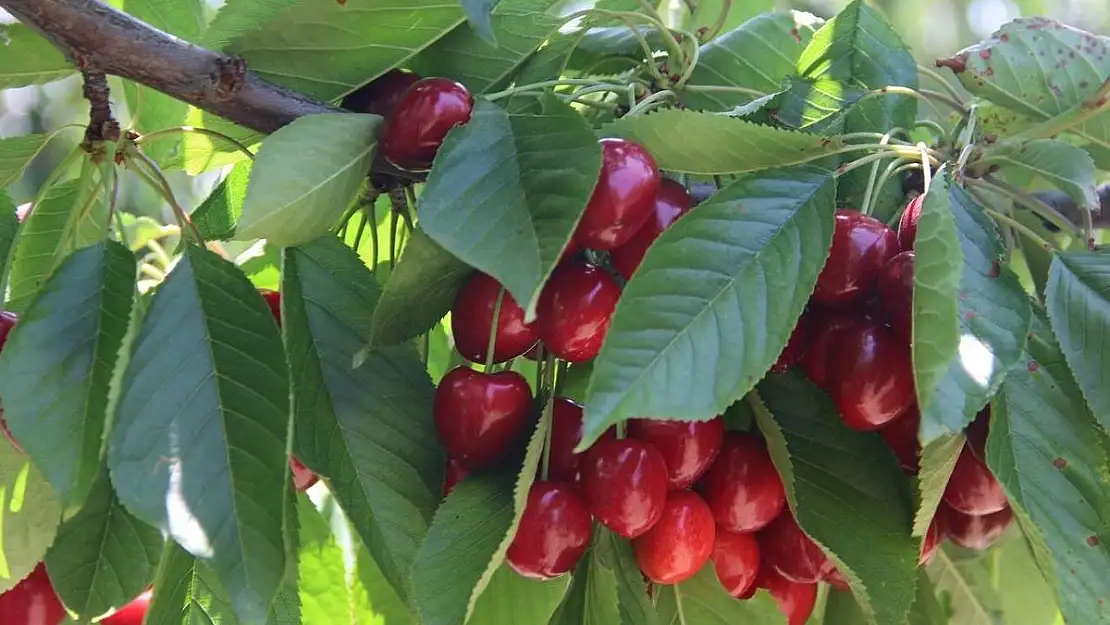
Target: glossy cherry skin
[(688, 447), (795, 346), (825, 326), (32, 601), (426, 112), (861, 246), (452, 475), (472, 316), (932, 540), (671, 202), (303, 477), (833, 577), (795, 600), (624, 482), (973, 489), (566, 433), (742, 487), (901, 436), (381, 95), (575, 309), (478, 416), (907, 223), (871, 376), (896, 294), (680, 543), (553, 534), (273, 300), (976, 532), (133, 613), (786, 548), (623, 198), (736, 560)]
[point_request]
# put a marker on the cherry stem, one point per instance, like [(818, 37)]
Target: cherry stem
[(394, 222), (154, 178), (157, 134), (1042, 210), (947, 86), (653, 101), (1016, 225), (754, 93), (719, 25), (893, 169), (547, 388), (493, 328), (931, 125), (886, 138), (867, 195), (926, 168), (867, 160)]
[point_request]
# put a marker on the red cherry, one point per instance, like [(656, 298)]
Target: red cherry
[(623, 198), (833, 577), (742, 486), (907, 223), (861, 246), (624, 481), (736, 560), (896, 294), (32, 601), (976, 532), (680, 544), (423, 116), (871, 376), (795, 600), (472, 316), (381, 95), (786, 548), (479, 416), (566, 433), (303, 477), (901, 436), (688, 447), (931, 543), (825, 326), (671, 202), (131, 614), (973, 489), (273, 300), (453, 474), (553, 534), (575, 309), (795, 346)]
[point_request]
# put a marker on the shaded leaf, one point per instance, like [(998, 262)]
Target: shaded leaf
[(29, 59), (29, 516), (938, 459), (511, 598), (217, 215), (16, 153), (239, 17), (615, 554), (9, 229), (591, 598), (1068, 167), (479, 13), (702, 600)]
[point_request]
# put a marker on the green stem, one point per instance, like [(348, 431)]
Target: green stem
[(1020, 227), (883, 138), (394, 221), (547, 389), (947, 86), (871, 179), (197, 130), (719, 25), (866, 160), (932, 125), (650, 102), (154, 178), (1042, 210), (755, 93), (492, 342)]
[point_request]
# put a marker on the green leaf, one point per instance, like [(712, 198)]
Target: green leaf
[(202, 152), (58, 361), (927, 608), (29, 516), (479, 14), (1069, 168), (368, 429), (842, 609), (323, 584), (510, 598), (292, 199), (707, 14), (837, 478), (1046, 449), (507, 189), (209, 349), (592, 596), (103, 557), (701, 600), (1078, 296), (328, 49), (775, 39), (615, 554), (727, 282), (818, 105), (16, 153), (239, 17), (419, 292), (29, 59), (220, 211), (711, 143), (9, 229), (938, 268), (938, 459)]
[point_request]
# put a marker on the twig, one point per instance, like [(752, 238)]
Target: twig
[(102, 126)]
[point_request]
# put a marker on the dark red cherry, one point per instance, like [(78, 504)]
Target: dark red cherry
[(901, 436), (553, 534), (795, 346), (381, 95), (671, 202), (623, 198), (7, 322), (452, 475), (273, 300), (478, 416), (896, 294), (871, 376), (795, 600), (426, 112), (566, 433), (133, 613), (973, 489), (680, 543), (575, 309), (907, 223), (32, 601), (303, 477), (736, 560), (824, 327), (833, 577), (742, 487), (977, 532), (688, 447), (931, 542), (624, 482), (785, 547), (472, 316), (861, 246)]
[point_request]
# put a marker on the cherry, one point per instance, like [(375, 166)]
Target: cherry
[(871, 376), (976, 532), (901, 436), (131, 614), (978, 430), (303, 477), (795, 600), (907, 223), (624, 481), (273, 300), (896, 294), (931, 543), (680, 543), (973, 489), (795, 346), (742, 487), (785, 547), (381, 95), (32, 601), (671, 202), (553, 533), (623, 198), (423, 116), (833, 577), (861, 246), (825, 326), (736, 560), (472, 316), (688, 447), (575, 309), (453, 474), (566, 433), (479, 415)]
